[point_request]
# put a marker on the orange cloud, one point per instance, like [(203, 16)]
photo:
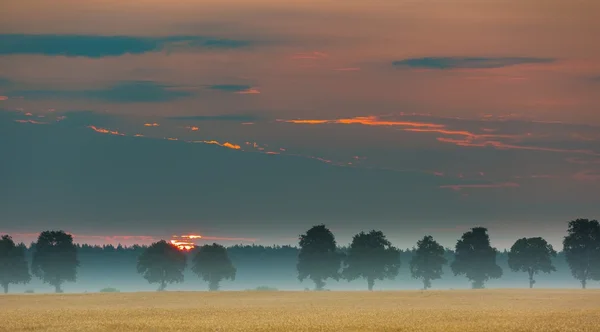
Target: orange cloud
[(105, 131), (3, 98), (251, 91), (247, 123), (226, 144), (367, 121), (192, 128), (151, 124), (458, 187)]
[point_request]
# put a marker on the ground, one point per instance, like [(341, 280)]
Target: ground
[(450, 310)]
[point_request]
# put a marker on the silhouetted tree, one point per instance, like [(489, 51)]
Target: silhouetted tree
[(13, 265), (212, 264), (55, 258), (427, 261), (582, 250), (318, 258), (475, 258), (162, 263), (371, 256), (531, 255)]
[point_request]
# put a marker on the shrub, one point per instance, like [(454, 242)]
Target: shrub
[(109, 290), (265, 289)]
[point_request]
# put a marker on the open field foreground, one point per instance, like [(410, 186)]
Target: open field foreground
[(452, 310)]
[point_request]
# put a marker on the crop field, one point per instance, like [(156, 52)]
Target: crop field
[(448, 310)]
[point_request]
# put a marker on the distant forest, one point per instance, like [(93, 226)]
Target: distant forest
[(248, 267)]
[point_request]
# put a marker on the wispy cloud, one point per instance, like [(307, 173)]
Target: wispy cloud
[(467, 62), (120, 92), (96, 46), (235, 88), (365, 120), (224, 117), (458, 187)]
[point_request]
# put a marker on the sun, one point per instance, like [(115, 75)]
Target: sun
[(185, 245)]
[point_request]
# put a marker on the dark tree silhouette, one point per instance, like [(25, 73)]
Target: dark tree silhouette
[(55, 259), (371, 256), (212, 264), (531, 255), (162, 263), (13, 265), (582, 250), (427, 261), (475, 258), (318, 258)]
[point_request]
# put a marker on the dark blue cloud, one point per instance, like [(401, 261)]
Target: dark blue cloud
[(96, 46), (230, 87), (122, 92), (225, 117), (467, 62)]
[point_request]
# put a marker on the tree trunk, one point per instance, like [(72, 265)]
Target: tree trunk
[(213, 285), (5, 286), (163, 286), (477, 284), (531, 281), (57, 288), (371, 283), (319, 284), (583, 283), (426, 283)]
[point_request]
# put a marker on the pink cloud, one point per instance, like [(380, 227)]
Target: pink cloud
[(458, 187)]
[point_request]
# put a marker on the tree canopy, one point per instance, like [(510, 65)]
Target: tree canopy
[(13, 265), (55, 259), (428, 261), (371, 256), (582, 250), (212, 264), (162, 263), (318, 258), (475, 258), (531, 255)]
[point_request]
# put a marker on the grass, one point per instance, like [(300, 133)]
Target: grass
[(452, 310)]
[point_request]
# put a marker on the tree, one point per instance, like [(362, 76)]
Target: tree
[(427, 261), (475, 258), (371, 256), (162, 263), (318, 258), (13, 266), (55, 259), (582, 250), (212, 264), (531, 255)]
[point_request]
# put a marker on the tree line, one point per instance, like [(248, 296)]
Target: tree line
[(369, 257)]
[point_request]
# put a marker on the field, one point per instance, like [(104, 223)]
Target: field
[(452, 310)]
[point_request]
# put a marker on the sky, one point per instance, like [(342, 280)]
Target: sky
[(251, 121)]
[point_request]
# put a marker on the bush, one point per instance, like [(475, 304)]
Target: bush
[(265, 289), (29, 291), (109, 290)]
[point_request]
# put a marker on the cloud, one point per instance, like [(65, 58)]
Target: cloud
[(120, 92), (367, 121), (458, 187), (3, 98), (235, 88), (225, 117), (97, 46), (467, 62)]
